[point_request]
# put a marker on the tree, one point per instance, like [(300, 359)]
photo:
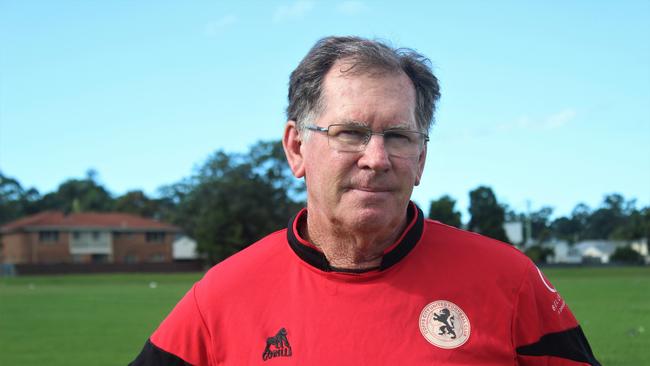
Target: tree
[(10, 195), (79, 195), (137, 203), (269, 161), (626, 255), (442, 210), (574, 227), (565, 228), (539, 254), (234, 200), (632, 227), (171, 198), (15, 201), (487, 216), (613, 213), (580, 217), (540, 224)]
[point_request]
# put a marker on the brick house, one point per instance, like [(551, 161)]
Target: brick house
[(53, 237)]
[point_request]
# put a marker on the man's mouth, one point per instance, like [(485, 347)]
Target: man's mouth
[(371, 189)]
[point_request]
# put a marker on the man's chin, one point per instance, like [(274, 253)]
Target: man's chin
[(365, 197), (373, 217)]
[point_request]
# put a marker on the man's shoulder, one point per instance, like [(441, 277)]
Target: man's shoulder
[(472, 245), (266, 255)]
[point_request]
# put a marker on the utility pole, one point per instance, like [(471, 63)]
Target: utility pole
[(529, 227)]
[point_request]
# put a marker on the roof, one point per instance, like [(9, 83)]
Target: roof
[(86, 220), (597, 247)]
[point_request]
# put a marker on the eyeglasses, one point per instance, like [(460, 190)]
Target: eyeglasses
[(354, 138)]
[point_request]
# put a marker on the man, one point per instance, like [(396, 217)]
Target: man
[(359, 277)]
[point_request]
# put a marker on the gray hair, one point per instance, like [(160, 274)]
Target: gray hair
[(365, 57)]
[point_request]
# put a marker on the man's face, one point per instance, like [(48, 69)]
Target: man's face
[(367, 190)]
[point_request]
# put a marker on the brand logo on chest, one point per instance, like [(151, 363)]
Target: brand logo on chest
[(277, 346), (444, 324)]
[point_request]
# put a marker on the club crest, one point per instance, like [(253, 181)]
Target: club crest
[(444, 324)]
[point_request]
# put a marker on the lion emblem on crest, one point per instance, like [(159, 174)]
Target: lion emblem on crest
[(447, 320)]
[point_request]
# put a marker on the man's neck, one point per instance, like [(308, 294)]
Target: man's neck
[(350, 249)]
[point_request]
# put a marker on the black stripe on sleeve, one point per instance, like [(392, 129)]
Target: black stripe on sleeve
[(154, 356), (570, 344)]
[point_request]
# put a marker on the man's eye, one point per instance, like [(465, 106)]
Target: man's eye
[(397, 136), (351, 134)]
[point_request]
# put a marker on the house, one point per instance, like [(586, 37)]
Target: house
[(596, 251), (184, 249), (514, 232), (52, 237), (592, 251), (563, 252)]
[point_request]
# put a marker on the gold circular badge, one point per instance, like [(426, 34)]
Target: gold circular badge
[(444, 324)]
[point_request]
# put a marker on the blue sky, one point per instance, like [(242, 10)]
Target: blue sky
[(547, 101)]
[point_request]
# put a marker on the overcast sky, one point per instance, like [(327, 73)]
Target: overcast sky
[(543, 101)]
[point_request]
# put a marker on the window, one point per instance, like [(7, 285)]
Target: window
[(76, 235), (99, 258), (130, 258), (48, 236), (79, 258), (155, 237), (157, 258), (96, 235)]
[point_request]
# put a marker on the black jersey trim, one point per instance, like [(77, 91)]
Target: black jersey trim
[(409, 239), (307, 254), (570, 344), (316, 258), (151, 355)]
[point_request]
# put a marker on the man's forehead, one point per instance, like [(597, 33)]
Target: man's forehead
[(343, 86), (342, 80)]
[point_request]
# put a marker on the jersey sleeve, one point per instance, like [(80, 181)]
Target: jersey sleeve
[(181, 339), (545, 332)]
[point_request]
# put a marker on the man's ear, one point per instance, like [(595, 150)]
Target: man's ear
[(421, 159), (291, 142)]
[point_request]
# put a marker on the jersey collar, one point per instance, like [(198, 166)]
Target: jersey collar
[(393, 254)]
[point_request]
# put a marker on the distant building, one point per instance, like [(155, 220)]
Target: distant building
[(184, 249), (592, 251), (515, 232), (53, 237), (563, 252)]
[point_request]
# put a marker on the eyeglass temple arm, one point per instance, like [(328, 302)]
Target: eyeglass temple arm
[(316, 128)]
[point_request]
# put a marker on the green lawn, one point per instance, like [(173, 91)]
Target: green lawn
[(105, 319), (83, 320), (613, 306)]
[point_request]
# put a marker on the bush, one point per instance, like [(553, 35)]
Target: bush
[(626, 255), (539, 254)]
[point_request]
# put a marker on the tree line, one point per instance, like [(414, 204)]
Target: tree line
[(615, 219), (229, 201), (234, 199)]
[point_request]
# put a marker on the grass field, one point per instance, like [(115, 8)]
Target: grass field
[(613, 307), (105, 319), (83, 320)]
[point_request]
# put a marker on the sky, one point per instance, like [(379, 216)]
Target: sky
[(548, 103)]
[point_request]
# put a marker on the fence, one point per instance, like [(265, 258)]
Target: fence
[(69, 268)]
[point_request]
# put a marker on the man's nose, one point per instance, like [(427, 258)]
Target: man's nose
[(375, 156)]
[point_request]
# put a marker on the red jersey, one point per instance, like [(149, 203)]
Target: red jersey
[(441, 296)]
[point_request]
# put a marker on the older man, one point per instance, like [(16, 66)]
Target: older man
[(359, 277)]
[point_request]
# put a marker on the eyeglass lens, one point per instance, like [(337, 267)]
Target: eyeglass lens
[(351, 138)]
